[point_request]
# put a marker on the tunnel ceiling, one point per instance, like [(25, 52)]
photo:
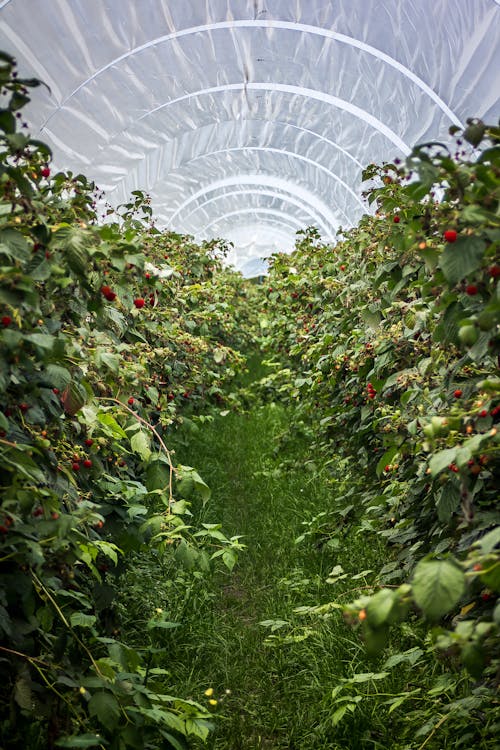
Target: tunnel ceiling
[(250, 120)]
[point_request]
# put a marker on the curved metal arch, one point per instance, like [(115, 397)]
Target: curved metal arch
[(275, 122), (286, 153), (268, 193), (287, 25), (262, 211), (288, 89), (259, 179)]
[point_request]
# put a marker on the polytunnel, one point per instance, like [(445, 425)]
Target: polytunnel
[(250, 119)]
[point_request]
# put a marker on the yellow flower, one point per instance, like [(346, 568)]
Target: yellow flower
[(212, 702), (209, 692)]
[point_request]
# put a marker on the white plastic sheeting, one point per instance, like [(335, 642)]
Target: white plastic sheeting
[(248, 119)]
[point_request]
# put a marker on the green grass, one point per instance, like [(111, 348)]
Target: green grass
[(273, 692), (274, 687)]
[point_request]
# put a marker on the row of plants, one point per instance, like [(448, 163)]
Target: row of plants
[(113, 336), (387, 348)]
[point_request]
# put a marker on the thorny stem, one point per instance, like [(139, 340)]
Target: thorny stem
[(34, 663), (440, 722), (157, 436), (25, 656), (8, 442), (61, 614)]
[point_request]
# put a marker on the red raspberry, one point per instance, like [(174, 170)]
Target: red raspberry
[(494, 271), (450, 235), (139, 302)]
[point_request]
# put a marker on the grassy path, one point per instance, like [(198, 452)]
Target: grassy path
[(275, 694)]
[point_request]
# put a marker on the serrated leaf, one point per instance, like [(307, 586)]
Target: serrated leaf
[(59, 377), (81, 620), (406, 657), (112, 428), (461, 258), (186, 555), (106, 708), (157, 475), (189, 480), (229, 558), (448, 502), (380, 606), (140, 444), (22, 693), (14, 244), (441, 460), (112, 361), (489, 541), (42, 340), (437, 586)]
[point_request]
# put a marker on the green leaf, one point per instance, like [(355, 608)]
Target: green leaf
[(112, 428), (42, 340), (18, 101), (489, 541), (112, 361), (229, 558), (338, 715), (176, 744), (79, 619), (406, 657), (188, 474), (22, 693), (81, 740), (140, 444), (380, 606), (73, 241), (448, 502), (59, 377), (461, 258), (162, 625), (7, 121), (362, 677), (106, 708), (437, 586), (386, 459), (157, 475), (14, 245), (186, 555), (441, 460)]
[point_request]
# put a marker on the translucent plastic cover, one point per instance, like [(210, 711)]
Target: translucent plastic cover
[(250, 119)]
